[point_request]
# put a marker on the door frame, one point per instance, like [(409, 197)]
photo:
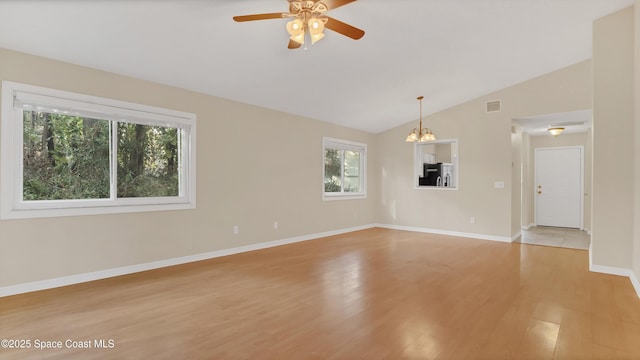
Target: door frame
[(535, 180)]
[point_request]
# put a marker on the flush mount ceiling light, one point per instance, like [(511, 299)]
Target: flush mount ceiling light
[(419, 134), (555, 131), (308, 21)]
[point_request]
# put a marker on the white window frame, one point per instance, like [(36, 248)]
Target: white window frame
[(12, 205), (338, 144)]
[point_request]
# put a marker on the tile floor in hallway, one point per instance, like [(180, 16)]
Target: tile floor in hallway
[(555, 236)]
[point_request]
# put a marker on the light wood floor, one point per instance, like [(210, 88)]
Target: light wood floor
[(370, 294)]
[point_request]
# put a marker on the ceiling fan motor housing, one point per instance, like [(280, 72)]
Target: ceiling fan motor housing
[(306, 8)]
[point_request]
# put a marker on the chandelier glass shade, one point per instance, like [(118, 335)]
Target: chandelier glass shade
[(420, 134)]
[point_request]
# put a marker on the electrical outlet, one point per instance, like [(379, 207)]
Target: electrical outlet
[(275, 224), (472, 220), (498, 185), (236, 229)]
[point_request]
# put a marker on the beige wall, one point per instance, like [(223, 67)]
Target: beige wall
[(516, 180), (636, 235), (527, 183), (484, 153), (443, 153), (544, 141), (613, 140), (251, 172)]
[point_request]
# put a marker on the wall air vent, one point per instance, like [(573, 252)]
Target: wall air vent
[(494, 106)]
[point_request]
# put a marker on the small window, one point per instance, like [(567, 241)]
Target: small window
[(71, 154), (344, 172), (436, 165)]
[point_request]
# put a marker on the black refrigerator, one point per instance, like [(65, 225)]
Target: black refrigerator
[(431, 173)]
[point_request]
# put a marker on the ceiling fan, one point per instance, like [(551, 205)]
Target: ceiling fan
[(309, 20)]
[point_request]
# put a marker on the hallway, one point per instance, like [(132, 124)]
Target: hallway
[(557, 237)]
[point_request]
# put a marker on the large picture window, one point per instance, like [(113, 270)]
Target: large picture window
[(71, 154), (344, 172)]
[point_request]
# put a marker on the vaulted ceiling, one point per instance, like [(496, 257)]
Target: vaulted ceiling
[(450, 51)]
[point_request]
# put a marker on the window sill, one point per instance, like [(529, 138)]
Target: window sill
[(334, 197), (14, 214), (443, 188)]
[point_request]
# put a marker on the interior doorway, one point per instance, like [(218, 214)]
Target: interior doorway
[(559, 185), (556, 237)]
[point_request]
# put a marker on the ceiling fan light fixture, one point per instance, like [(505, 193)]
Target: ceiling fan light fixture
[(309, 16), (298, 38), (316, 29), (315, 38), (316, 25), (295, 28), (555, 131)]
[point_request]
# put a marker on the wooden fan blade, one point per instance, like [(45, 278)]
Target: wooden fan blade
[(333, 4), (294, 45), (344, 28), (254, 17)]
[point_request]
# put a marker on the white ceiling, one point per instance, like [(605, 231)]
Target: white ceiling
[(450, 51), (572, 122)]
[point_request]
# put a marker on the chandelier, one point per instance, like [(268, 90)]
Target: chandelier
[(419, 134)]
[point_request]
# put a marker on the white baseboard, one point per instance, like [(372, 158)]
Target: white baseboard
[(124, 270), (611, 270), (446, 232), (635, 283), (617, 271), (527, 227), (590, 254), (515, 236)]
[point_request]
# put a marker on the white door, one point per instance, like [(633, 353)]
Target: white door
[(558, 187)]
